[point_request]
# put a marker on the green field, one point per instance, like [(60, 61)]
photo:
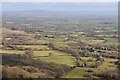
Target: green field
[(46, 53), (76, 73), (35, 47), (59, 59), (91, 40), (80, 72), (111, 42), (115, 40)]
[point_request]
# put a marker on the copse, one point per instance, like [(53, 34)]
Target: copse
[(66, 49)]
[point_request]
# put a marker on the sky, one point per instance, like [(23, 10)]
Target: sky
[(83, 7), (60, 0), (59, 6), (104, 8)]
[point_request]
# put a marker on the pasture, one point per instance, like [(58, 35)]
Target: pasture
[(59, 59), (35, 47), (80, 72), (12, 52)]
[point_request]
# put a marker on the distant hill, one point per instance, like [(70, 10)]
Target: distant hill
[(83, 9)]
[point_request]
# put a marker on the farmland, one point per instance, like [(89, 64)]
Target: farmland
[(77, 51), (66, 45), (80, 72)]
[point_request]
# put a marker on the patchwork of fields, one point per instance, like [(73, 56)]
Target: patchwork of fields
[(60, 40), (61, 50)]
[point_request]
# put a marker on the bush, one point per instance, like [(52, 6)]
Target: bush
[(93, 66), (87, 75), (107, 75), (89, 70), (89, 60)]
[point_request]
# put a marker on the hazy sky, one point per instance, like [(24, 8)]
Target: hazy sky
[(60, 0), (87, 6)]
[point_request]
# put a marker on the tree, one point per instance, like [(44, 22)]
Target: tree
[(50, 54), (29, 53), (78, 63), (77, 56)]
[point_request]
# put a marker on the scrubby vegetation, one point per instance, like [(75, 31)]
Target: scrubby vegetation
[(20, 62)]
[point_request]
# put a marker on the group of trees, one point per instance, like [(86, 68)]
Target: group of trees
[(52, 69), (107, 75), (62, 49)]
